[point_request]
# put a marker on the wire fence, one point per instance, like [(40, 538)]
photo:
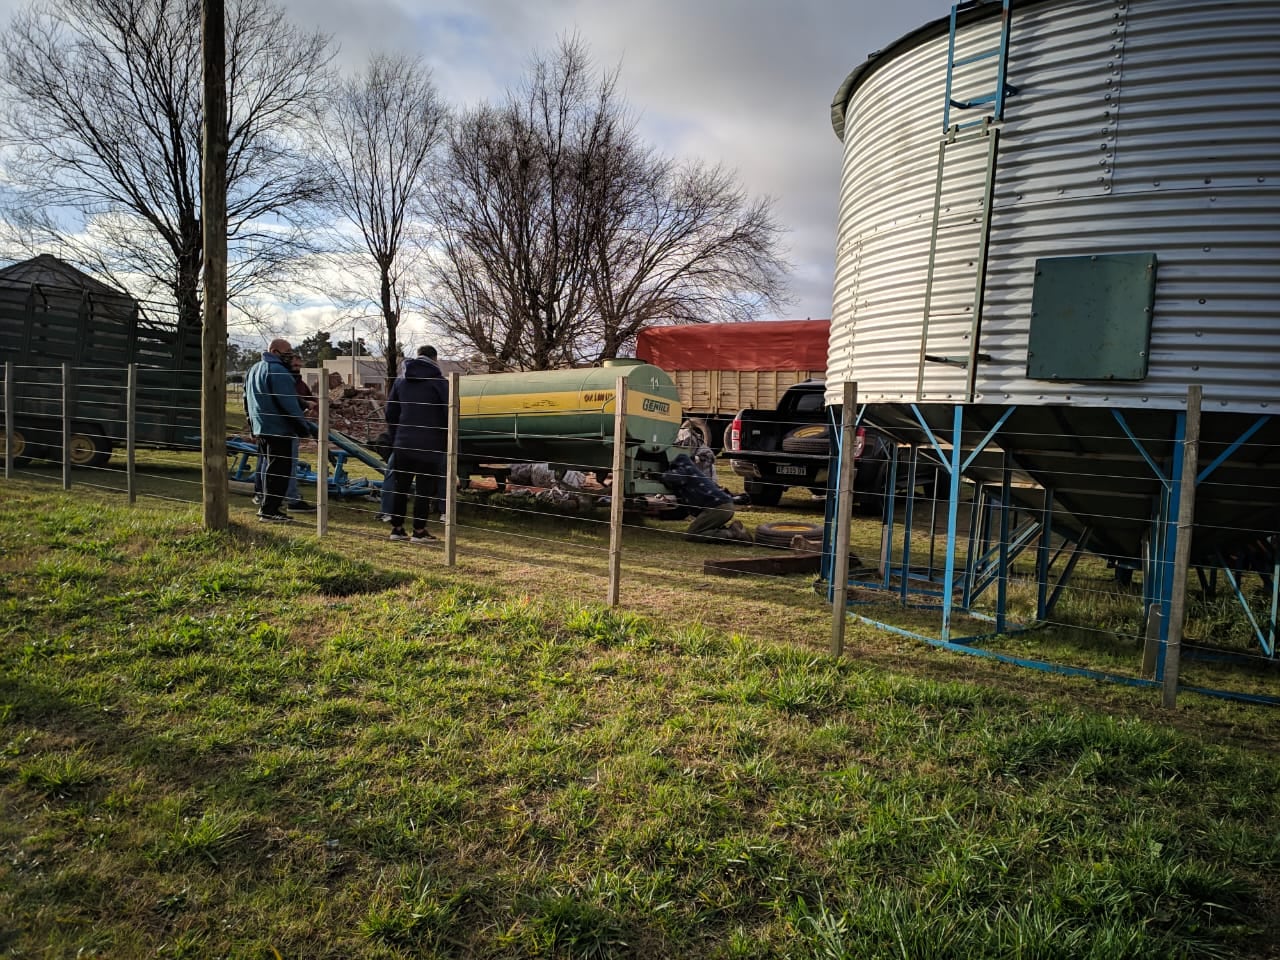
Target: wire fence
[(1077, 570)]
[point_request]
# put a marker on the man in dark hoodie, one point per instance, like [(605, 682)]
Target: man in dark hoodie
[(418, 422)]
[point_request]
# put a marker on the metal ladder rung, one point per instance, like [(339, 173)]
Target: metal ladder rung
[(988, 125), (983, 121), (962, 362), (975, 102), (975, 58)]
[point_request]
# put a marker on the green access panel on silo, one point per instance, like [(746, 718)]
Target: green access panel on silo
[(1091, 317)]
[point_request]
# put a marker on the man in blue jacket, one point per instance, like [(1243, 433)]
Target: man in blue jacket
[(276, 418), (418, 424)]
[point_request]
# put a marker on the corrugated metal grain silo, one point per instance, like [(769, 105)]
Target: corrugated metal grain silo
[(1058, 215), (1134, 128)]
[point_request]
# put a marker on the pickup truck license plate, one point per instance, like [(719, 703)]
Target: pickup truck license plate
[(789, 469)]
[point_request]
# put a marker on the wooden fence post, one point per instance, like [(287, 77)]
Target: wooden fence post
[(322, 455), (131, 434), (618, 489), (215, 481), (1182, 545), (451, 472), (66, 426), (9, 417)]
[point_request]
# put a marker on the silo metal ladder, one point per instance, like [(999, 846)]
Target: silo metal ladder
[(976, 128)]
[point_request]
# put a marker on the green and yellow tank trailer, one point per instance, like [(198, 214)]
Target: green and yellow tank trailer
[(566, 418), (561, 417)]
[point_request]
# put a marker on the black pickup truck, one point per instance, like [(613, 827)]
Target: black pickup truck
[(791, 447)]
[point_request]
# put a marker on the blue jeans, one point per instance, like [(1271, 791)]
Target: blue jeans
[(388, 488)]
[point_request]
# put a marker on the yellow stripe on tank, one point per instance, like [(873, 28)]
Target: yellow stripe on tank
[(569, 402)]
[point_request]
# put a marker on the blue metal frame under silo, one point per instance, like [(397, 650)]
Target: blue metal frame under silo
[(1101, 379), (954, 589)]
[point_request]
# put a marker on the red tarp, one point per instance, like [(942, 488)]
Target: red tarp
[(765, 345)]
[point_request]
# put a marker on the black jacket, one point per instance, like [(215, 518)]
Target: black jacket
[(418, 415), (691, 486)]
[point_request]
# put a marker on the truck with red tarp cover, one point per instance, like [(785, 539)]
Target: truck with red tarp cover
[(722, 368)]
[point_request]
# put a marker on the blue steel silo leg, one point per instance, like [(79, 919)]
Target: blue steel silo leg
[(1162, 541), (1243, 600), (933, 525), (907, 517), (1042, 556), (1002, 585), (886, 547), (979, 514), (953, 507), (1275, 599)]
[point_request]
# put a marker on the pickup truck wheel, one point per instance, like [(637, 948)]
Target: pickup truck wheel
[(763, 494), (783, 532), (811, 438), (20, 458), (88, 447), (698, 427)]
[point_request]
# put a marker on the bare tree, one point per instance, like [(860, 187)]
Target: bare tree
[(562, 235), (102, 115), (679, 244), (378, 137), (511, 281)]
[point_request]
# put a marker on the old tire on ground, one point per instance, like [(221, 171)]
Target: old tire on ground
[(812, 438), (762, 494), (88, 447), (782, 532)]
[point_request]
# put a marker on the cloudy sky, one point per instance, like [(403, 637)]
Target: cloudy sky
[(745, 83)]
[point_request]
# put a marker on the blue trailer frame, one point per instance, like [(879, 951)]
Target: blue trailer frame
[(245, 460)]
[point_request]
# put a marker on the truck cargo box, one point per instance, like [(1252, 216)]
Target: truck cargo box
[(721, 368), (51, 314)]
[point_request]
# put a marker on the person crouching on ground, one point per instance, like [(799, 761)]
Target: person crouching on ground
[(276, 418), (693, 488), (418, 424)]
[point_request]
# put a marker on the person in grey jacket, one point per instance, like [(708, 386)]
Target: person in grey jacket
[(276, 419)]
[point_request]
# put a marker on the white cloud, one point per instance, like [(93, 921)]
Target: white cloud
[(743, 83)]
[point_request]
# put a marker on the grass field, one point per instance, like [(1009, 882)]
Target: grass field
[(257, 744)]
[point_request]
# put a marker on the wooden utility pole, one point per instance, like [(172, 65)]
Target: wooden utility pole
[(1182, 545), (451, 471), (213, 215), (322, 453)]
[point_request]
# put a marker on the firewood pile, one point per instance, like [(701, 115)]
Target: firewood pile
[(359, 412)]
